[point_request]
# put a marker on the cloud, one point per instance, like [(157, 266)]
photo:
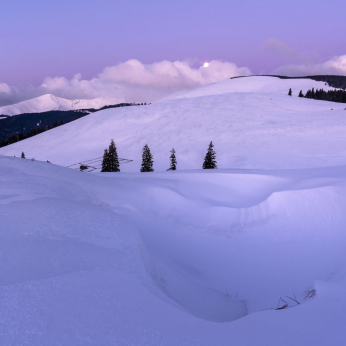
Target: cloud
[(302, 63), (6, 94), (5, 89), (277, 46), (288, 53), (334, 66), (129, 81)]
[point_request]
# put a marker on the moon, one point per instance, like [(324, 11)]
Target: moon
[(206, 64)]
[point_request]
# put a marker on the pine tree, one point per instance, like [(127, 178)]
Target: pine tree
[(173, 161), (105, 162), (301, 93), (290, 92), (23, 155), (147, 160), (114, 165), (210, 158)]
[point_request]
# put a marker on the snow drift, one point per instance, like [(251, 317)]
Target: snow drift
[(171, 258)]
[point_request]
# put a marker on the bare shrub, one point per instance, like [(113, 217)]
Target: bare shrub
[(284, 306), (309, 293), (293, 299)]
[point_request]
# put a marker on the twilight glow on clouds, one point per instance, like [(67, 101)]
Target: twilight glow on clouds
[(130, 81), (142, 51)]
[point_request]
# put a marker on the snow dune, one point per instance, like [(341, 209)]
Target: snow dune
[(251, 121), (171, 258)]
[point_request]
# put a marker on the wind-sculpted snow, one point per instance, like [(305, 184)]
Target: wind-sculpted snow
[(171, 258)]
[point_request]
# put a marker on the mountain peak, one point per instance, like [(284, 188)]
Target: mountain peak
[(50, 102)]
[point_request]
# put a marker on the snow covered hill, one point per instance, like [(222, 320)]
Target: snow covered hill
[(50, 102), (171, 258), (252, 122), (191, 257)]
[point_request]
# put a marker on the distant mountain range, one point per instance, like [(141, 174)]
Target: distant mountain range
[(49, 102), (18, 127)]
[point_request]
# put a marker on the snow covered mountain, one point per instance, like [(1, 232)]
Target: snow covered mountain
[(252, 122), (50, 102)]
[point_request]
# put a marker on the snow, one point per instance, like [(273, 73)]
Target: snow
[(171, 258), (50, 102), (256, 84), (191, 257), (252, 125)]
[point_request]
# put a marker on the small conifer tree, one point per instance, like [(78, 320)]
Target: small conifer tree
[(147, 160), (23, 155), (301, 93), (114, 165), (290, 92), (173, 160), (210, 158), (105, 162)]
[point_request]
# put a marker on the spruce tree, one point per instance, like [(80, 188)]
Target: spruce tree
[(114, 165), (173, 161), (301, 93), (23, 155), (210, 158), (147, 160), (105, 162), (290, 92)]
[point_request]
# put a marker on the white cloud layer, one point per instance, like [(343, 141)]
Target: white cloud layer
[(130, 81), (334, 66)]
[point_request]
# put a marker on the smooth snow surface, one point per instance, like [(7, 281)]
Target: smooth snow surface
[(50, 102), (171, 258), (252, 122)]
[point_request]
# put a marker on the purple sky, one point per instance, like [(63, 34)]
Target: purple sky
[(62, 38)]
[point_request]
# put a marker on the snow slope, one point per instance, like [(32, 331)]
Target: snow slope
[(192, 257), (171, 258), (50, 102), (256, 84), (251, 121)]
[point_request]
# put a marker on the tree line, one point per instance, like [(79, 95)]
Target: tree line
[(22, 126), (16, 137), (110, 160), (320, 94)]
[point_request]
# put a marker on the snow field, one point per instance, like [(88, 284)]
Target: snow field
[(251, 121), (191, 257), (171, 258)]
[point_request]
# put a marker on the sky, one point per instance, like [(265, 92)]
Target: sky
[(66, 41)]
